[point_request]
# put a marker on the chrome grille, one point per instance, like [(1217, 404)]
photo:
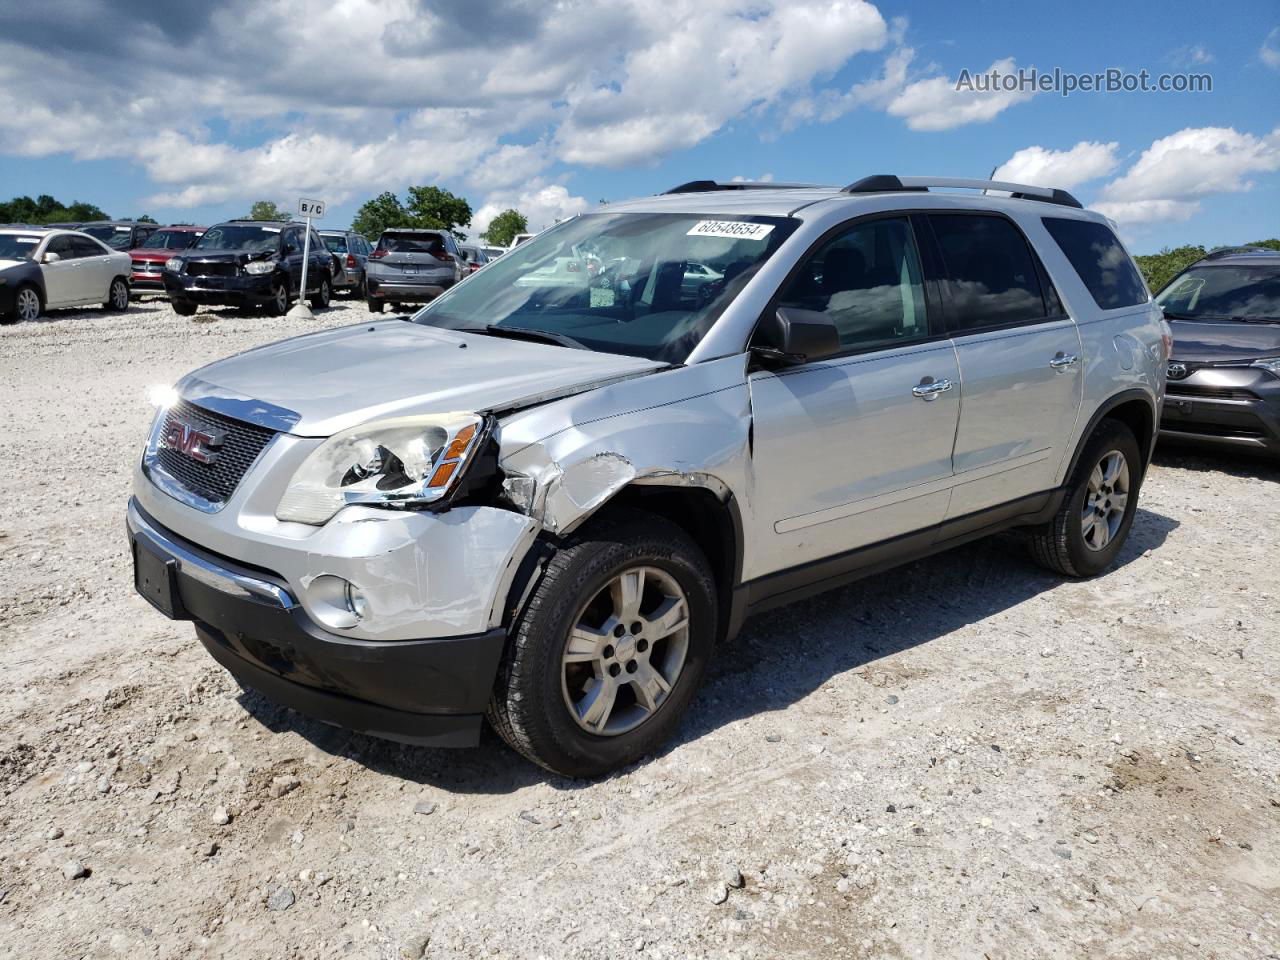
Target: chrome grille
[(240, 447)]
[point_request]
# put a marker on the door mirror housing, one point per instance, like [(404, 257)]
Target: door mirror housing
[(793, 335), (50, 258)]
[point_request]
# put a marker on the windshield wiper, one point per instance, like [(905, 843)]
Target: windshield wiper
[(520, 333)]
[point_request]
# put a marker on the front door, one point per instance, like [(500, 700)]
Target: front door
[(1021, 362), (855, 449), (62, 281)]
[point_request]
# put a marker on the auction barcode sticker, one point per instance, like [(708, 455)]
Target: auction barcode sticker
[(732, 229)]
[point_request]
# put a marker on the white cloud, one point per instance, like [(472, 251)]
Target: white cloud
[(1270, 51), (1194, 55), (542, 203), (1171, 176), (236, 100), (937, 104), (1065, 169)]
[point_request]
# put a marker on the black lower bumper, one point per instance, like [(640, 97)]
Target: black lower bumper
[(428, 692), (414, 291), (220, 291), (1247, 424)]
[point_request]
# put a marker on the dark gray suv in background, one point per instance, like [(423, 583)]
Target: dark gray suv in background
[(350, 254), (1224, 374), (410, 265)]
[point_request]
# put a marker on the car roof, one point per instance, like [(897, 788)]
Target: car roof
[(115, 223), (414, 230), (1240, 256)]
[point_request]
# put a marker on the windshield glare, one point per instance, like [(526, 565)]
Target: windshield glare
[(17, 247), (1215, 292), (170, 240), (644, 284), (238, 238)]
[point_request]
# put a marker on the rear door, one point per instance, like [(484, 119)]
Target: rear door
[(96, 272), (1020, 361), (855, 449)]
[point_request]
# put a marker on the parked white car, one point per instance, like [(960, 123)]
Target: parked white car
[(77, 269)]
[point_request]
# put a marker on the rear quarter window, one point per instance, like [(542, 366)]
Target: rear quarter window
[(1103, 265)]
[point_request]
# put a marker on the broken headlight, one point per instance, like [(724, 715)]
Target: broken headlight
[(400, 462)]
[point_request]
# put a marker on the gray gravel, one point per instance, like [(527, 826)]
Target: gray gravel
[(842, 761)]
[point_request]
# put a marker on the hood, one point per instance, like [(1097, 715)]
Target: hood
[(1217, 341), (6, 264), (318, 384)]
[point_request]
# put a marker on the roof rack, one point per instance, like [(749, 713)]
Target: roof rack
[(888, 183), (1217, 252), (707, 186)]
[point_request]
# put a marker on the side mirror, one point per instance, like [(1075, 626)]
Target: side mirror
[(793, 335), (50, 258)]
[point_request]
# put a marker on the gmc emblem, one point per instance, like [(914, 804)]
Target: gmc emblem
[(199, 443)]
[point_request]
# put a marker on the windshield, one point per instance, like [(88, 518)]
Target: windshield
[(411, 243), (644, 284), (117, 238), (336, 244), (1225, 291), (15, 246), (240, 238), (171, 240)]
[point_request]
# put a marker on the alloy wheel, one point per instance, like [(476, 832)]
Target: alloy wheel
[(119, 295), (28, 304), (626, 651), (281, 299), (1105, 500)]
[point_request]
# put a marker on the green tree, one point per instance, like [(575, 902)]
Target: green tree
[(267, 210), (1160, 268), (504, 227), (45, 209), (146, 218), (434, 207), (383, 211), (1273, 243)]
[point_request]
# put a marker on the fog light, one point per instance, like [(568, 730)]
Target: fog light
[(337, 603)]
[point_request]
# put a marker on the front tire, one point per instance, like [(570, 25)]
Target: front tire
[(321, 300), (184, 308), (278, 305), (610, 648), (376, 306), (1091, 526), (26, 303)]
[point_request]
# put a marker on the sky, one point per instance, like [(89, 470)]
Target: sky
[(191, 111)]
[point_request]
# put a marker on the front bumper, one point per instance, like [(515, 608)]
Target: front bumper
[(1235, 407), (431, 692), (246, 290)]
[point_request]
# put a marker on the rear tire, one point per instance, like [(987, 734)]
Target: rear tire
[(117, 296), (1092, 524), (184, 308), (321, 300), (543, 695), (376, 306)]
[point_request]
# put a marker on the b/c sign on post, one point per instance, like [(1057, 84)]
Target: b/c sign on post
[(311, 208)]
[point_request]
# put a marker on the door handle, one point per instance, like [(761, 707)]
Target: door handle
[(929, 388), (1062, 361)]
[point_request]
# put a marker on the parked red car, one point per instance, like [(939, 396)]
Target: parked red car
[(149, 259)]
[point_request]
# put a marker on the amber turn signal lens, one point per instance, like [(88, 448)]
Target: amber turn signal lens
[(443, 472), (459, 445)]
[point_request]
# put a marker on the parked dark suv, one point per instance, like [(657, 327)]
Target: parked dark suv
[(249, 264), (1224, 373)]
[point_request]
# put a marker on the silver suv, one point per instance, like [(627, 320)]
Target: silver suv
[(552, 493)]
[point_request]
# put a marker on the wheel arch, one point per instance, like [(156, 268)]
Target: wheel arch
[(1136, 409)]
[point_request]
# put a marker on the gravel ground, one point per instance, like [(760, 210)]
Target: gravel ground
[(964, 757)]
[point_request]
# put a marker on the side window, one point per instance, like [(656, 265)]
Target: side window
[(291, 242), (989, 270), (868, 281), (61, 246), (1105, 268), (84, 247)]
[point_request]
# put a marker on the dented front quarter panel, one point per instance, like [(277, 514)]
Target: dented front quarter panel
[(688, 426)]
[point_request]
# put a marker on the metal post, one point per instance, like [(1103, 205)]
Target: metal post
[(306, 260)]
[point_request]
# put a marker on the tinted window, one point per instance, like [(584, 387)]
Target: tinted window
[(84, 247), (61, 246), (1216, 292), (411, 243), (1101, 262), (990, 271), (868, 281)]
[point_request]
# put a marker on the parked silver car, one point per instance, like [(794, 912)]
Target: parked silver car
[(350, 254), (548, 501), (412, 266)]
